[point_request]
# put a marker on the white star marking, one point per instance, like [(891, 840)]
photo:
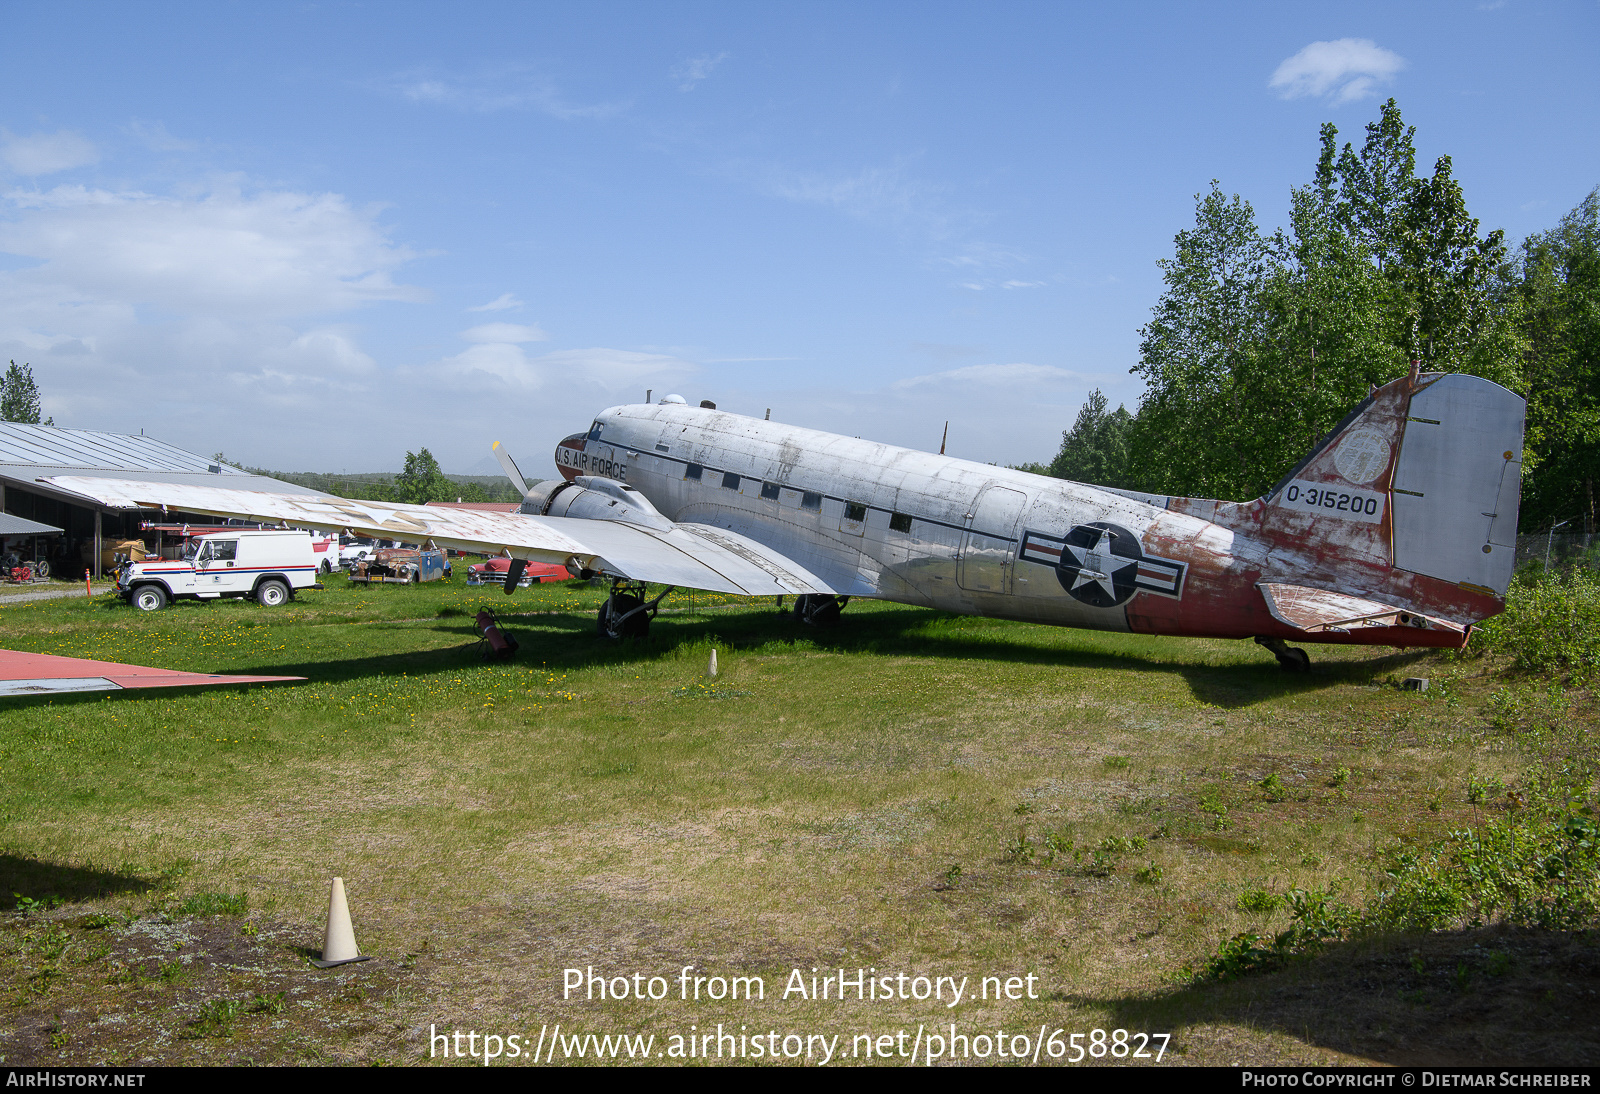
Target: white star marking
[(1097, 565)]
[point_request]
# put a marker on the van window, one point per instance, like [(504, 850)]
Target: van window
[(224, 550)]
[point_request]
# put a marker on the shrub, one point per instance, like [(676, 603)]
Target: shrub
[(1551, 624)]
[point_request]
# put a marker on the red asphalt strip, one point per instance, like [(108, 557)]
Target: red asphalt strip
[(16, 666)]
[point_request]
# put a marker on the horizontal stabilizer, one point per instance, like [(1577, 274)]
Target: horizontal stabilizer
[(1320, 615)]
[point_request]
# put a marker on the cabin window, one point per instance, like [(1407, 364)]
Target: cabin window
[(900, 522), (811, 500), (855, 512), (769, 491), (730, 481), (692, 471)]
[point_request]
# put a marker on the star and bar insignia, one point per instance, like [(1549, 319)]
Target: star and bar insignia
[(1103, 564)]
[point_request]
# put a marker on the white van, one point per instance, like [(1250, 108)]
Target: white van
[(268, 566)]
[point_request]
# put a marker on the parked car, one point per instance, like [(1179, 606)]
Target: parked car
[(401, 566), (492, 571), (269, 567), (355, 548)]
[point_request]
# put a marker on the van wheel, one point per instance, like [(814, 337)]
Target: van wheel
[(327, 567), (270, 594), (149, 598)]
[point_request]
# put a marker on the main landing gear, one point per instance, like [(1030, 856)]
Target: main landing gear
[(819, 609), (1290, 659), (626, 613)]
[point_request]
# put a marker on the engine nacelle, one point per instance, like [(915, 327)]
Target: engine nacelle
[(591, 498)]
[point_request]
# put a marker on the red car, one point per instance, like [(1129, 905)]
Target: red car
[(493, 571)]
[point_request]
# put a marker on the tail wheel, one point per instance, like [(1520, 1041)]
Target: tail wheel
[(149, 598), (271, 594), (615, 622), (1290, 658)]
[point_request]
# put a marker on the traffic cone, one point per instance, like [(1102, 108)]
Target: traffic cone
[(711, 665), (339, 941)]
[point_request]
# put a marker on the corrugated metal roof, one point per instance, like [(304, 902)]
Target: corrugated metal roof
[(19, 526), (25, 475), (88, 448), (30, 452)]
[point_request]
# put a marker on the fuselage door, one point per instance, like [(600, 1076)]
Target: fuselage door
[(989, 545)]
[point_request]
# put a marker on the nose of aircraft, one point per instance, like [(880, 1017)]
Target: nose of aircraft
[(568, 456)]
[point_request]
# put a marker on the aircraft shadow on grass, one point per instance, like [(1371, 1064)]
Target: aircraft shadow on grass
[(1492, 996), (25, 878), (569, 640)]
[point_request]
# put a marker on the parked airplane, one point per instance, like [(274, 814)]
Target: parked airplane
[(1398, 529)]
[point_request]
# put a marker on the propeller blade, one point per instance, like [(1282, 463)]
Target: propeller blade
[(509, 466)]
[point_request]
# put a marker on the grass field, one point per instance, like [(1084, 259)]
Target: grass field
[(909, 792)]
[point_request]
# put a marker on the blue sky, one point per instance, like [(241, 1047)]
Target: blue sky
[(317, 236)]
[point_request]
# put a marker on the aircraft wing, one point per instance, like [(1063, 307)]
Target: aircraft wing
[(689, 555)]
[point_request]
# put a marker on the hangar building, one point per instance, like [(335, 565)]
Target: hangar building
[(29, 453)]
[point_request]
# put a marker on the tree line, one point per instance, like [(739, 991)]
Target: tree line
[(419, 482), (1262, 342)]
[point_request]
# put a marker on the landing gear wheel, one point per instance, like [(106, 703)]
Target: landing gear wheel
[(819, 609), (149, 598), (1290, 659), (271, 594), (615, 620)]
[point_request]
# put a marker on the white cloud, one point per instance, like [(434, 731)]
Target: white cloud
[(45, 153), (992, 378), (154, 135), (510, 369), (1344, 70), (505, 332), (502, 302), (1004, 413), (870, 192), (224, 254), (512, 87), (695, 69)]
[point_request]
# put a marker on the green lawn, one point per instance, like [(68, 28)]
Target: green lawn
[(909, 791)]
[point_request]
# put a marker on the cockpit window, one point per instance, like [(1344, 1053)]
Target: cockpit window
[(594, 430)]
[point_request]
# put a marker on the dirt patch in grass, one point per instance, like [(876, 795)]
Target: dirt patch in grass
[(115, 989)]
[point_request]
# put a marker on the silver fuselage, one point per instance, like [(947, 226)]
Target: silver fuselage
[(874, 520)]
